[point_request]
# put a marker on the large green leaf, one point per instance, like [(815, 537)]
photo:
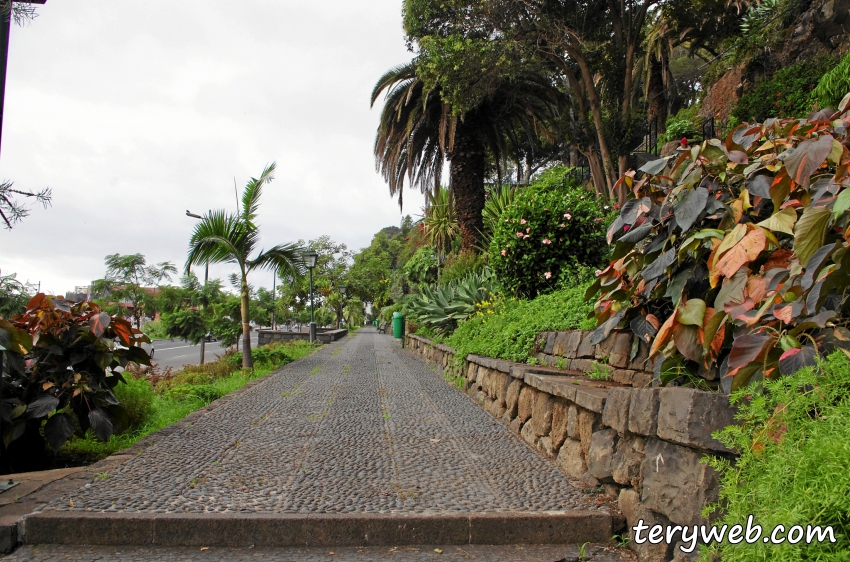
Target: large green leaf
[(783, 221), (810, 232), (692, 312), (842, 203)]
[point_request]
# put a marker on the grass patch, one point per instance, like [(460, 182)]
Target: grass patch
[(793, 464), (160, 399), (507, 330)]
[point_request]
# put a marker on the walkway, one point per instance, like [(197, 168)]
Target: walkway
[(359, 444)]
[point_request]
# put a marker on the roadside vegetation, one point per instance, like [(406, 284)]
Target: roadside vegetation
[(153, 398)]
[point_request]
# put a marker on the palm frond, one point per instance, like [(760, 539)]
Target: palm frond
[(218, 237), (283, 259), (253, 190)]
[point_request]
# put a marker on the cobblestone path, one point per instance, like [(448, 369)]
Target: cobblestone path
[(361, 426), (465, 553)]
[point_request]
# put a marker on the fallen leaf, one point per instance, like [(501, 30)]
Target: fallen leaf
[(435, 440), (438, 550), (205, 548)]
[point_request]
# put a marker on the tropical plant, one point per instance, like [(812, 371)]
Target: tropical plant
[(442, 307), (736, 256), (421, 268), (545, 234), (60, 368), (440, 224), (788, 93), (14, 295), (833, 84), (128, 277), (498, 201), (792, 465), (418, 129), (221, 237)]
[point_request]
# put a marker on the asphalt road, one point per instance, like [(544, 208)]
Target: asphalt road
[(177, 353)]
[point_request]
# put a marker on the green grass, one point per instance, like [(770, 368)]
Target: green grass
[(795, 450), (153, 406), (508, 328)]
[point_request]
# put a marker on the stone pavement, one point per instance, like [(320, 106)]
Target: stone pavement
[(358, 444), (450, 553)]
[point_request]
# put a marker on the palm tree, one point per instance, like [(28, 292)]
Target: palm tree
[(418, 130), (221, 237)]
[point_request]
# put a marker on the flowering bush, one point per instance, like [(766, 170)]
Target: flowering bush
[(543, 235)]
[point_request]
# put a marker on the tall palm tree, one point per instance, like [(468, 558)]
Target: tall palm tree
[(221, 237), (418, 130)]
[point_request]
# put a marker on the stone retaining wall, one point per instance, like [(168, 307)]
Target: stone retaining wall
[(323, 335), (639, 443)]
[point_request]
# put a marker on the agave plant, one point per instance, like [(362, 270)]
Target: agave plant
[(443, 307)]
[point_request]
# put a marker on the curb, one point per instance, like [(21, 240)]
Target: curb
[(240, 530)]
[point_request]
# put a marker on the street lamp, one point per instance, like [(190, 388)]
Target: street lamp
[(343, 291), (310, 257), (206, 276)]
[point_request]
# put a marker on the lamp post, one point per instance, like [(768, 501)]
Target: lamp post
[(310, 258), (343, 292), (206, 276)]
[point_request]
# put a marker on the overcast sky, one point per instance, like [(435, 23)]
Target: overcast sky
[(133, 111)]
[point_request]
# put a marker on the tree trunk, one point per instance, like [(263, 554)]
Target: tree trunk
[(247, 360), (467, 169), (657, 104)]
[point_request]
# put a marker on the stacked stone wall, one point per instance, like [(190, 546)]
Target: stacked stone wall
[(323, 335), (633, 441)]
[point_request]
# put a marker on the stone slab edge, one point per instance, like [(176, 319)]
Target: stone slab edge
[(240, 530)]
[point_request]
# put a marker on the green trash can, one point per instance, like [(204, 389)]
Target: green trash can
[(398, 325)]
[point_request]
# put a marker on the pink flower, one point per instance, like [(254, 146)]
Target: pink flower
[(547, 241), (528, 229), (504, 252), (548, 275), (522, 221), (562, 225), (568, 216), (616, 206), (598, 272), (519, 234), (524, 237), (625, 228)]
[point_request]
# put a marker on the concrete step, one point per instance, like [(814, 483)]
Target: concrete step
[(325, 530), (413, 553)]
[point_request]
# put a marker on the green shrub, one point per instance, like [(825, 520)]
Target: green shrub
[(793, 464), (137, 398), (422, 266), (545, 234), (833, 85), (787, 94), (460, 266), (155, 330), (687, 123), (747, 269), (506, 329)]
